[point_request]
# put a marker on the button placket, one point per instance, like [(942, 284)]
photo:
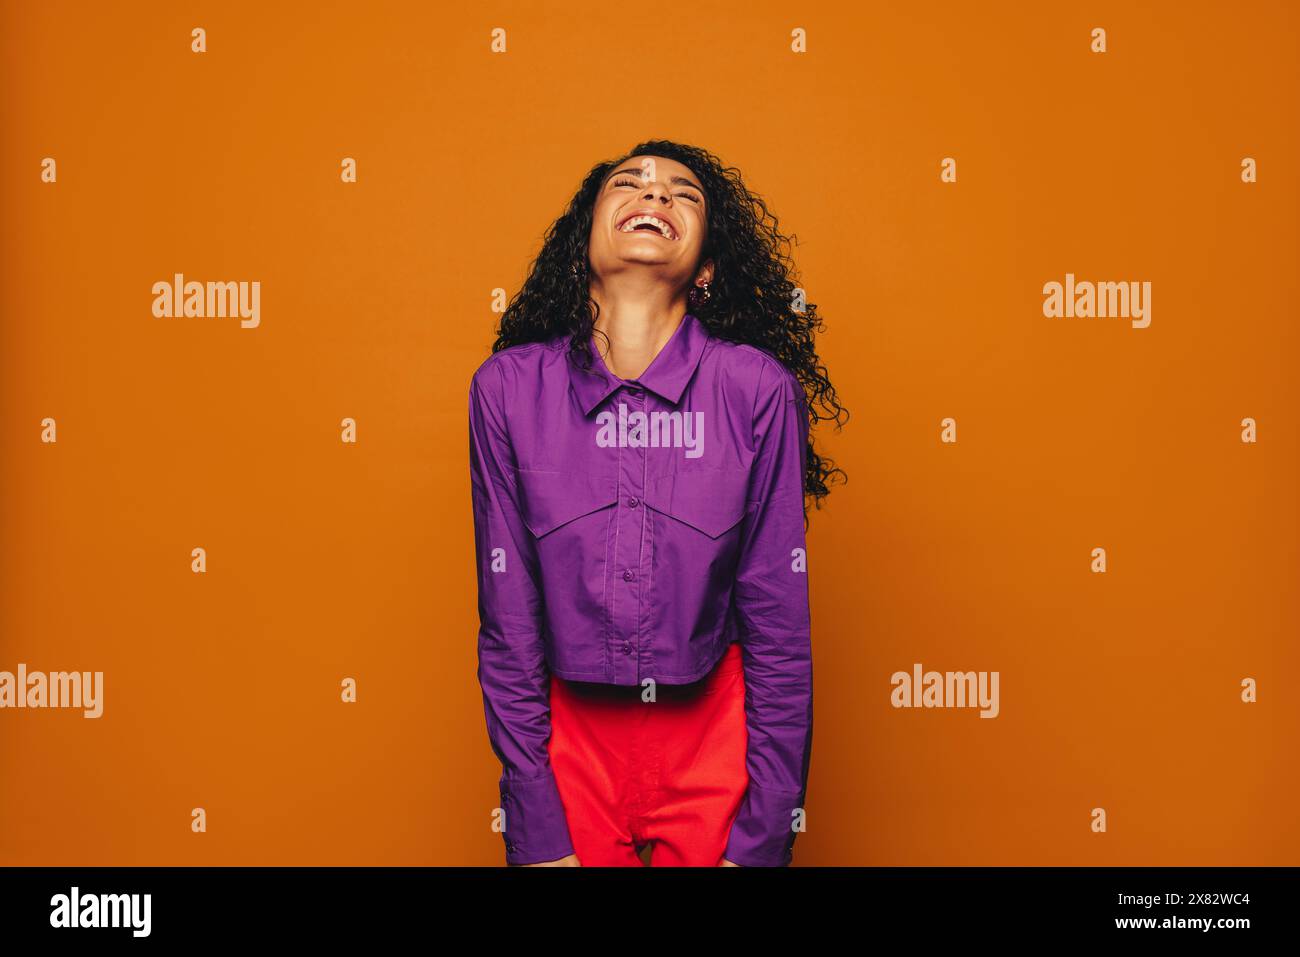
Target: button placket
[(628, 571)]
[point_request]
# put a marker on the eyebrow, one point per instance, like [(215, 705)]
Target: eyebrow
[(674, 180)]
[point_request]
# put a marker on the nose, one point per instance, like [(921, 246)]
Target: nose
[(656, 190)]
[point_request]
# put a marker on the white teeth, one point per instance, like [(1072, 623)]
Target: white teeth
[(658, 223)]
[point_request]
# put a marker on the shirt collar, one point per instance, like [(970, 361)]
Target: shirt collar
[(666, 375)]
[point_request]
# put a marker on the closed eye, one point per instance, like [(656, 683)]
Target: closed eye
[(631, 182)]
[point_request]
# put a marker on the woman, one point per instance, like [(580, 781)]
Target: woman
[(640, 453)]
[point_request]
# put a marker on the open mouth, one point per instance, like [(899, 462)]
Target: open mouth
[(650, 224)]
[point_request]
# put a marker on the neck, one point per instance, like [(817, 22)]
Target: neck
[(637, 324)]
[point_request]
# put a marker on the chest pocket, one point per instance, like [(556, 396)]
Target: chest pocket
[(551, 499), (711, 501)]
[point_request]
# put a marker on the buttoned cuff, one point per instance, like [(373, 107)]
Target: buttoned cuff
[(761, 835), (536, 830)]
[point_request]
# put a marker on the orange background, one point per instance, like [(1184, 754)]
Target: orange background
[(325, 560)]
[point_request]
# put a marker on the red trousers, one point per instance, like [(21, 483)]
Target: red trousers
[(669, 773)]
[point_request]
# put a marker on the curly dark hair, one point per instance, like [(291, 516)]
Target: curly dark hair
[(751, 295)]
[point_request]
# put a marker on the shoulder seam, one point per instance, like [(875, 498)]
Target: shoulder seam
[(784, 375), (523, 348)]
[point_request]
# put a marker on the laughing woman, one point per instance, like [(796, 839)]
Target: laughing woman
[(641, 461)]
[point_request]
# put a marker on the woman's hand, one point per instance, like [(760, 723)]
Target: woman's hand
[(726, 863), (570, 861)]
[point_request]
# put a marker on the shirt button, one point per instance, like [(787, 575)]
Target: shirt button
[(627, 647), (633, 502), (628, 574)]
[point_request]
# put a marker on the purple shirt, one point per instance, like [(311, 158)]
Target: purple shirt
[(632, 529)]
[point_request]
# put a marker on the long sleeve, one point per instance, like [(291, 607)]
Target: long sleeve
[(512, 669), (772, 611)]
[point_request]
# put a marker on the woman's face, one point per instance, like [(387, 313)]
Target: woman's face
[(651, 214)]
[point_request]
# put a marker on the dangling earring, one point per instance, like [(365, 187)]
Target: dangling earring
[(694, 297)]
